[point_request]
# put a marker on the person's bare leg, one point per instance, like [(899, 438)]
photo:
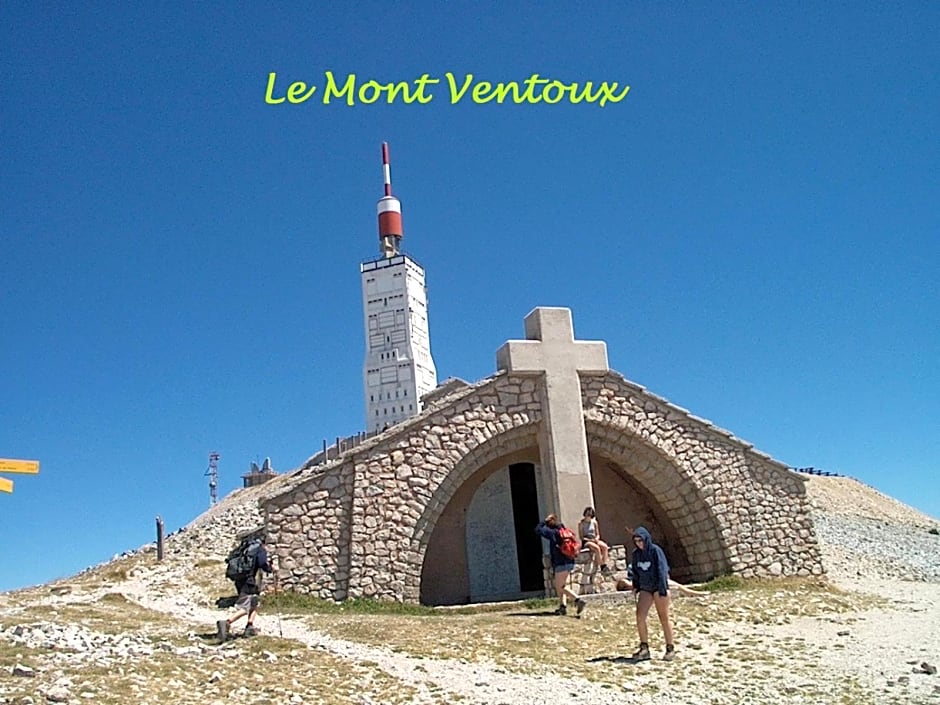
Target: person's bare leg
[(561, 588), (662, 609), (594, 549), (604, 550), (643, 603), (685, 590)]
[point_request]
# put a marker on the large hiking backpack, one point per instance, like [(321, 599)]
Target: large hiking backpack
[(240, 564), (568, 543)]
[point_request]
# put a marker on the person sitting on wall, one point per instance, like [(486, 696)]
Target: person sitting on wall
[(590, 534)]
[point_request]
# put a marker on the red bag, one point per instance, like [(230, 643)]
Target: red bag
[(568, 543)]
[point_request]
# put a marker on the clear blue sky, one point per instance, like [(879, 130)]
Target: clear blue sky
[(754, 231)]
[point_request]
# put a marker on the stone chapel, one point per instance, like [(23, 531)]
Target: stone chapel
[(441, 508)]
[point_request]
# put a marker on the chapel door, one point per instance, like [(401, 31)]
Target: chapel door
[(504, 555), (525, 512)]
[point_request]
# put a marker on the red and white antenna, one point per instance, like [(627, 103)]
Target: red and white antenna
[(389, 212)]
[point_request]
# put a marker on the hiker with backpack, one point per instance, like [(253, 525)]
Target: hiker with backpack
[(563, 548), (242, 568)]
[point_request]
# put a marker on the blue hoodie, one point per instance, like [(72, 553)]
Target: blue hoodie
[(650, 567)]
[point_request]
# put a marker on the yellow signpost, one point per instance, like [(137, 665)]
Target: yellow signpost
[(20, 467)]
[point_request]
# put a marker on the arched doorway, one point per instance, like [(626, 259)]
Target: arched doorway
[(483, 546)]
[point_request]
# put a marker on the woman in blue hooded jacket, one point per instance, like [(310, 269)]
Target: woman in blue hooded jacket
[(651, 586)]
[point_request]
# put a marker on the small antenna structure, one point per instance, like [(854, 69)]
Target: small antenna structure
[(213, 474)]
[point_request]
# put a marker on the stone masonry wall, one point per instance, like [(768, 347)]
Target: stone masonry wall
[(735, 509), (359, 527)]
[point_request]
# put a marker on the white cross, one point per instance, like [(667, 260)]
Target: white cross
[(552, 353)]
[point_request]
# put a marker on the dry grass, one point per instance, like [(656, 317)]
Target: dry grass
[(261, 670), (534, 641), (725, 642)]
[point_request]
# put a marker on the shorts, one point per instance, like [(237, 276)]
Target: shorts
[(247, 602), (563, 568)]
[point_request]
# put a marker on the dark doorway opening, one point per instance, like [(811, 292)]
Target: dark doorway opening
[(525, 512)]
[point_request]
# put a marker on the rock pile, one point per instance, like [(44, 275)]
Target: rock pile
[(75, 643), (873, 548)]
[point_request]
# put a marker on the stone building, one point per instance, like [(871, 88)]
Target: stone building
[(441, 508)]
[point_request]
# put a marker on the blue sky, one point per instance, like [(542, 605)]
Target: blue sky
[(753, 230)]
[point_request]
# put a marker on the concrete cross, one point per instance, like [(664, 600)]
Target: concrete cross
[(552, 353)]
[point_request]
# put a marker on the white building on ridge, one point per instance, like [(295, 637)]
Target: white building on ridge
[(398, 368)]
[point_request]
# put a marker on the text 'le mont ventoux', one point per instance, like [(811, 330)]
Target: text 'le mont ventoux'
[(534, 89)]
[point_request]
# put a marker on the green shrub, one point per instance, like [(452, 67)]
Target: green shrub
[(295, 602), (724, 583)]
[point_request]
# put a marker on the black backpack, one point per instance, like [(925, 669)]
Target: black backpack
[(240, 564)]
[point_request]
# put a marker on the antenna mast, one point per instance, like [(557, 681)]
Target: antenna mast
[(389, 212), (213, 474)]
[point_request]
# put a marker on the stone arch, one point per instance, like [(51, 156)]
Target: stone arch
[(440, 529), (692, 532)]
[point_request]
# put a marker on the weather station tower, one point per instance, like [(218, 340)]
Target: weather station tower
[(398, 368)]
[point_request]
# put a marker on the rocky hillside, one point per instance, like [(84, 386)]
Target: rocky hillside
[(137, 630), (864, 533), (844, 496)]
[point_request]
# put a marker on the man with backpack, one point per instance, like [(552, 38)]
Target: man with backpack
[(242, 567)]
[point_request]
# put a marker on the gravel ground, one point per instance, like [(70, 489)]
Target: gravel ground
[(875, 548)]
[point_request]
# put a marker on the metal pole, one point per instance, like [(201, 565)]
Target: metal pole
[(159, 538), (277, 600)]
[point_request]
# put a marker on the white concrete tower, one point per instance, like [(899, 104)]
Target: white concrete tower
[(398, 367)]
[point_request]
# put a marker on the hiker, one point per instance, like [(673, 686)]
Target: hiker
[(651, 585), (244, 564), (590, 534), (552, 529)]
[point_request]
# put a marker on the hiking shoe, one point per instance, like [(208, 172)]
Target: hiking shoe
[(670, 653), (580, 605), (641, 654), (562, 610), (221, 628), (251, 631)]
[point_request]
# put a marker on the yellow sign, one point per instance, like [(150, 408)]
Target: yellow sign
[(23, 467), (6, 485)]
